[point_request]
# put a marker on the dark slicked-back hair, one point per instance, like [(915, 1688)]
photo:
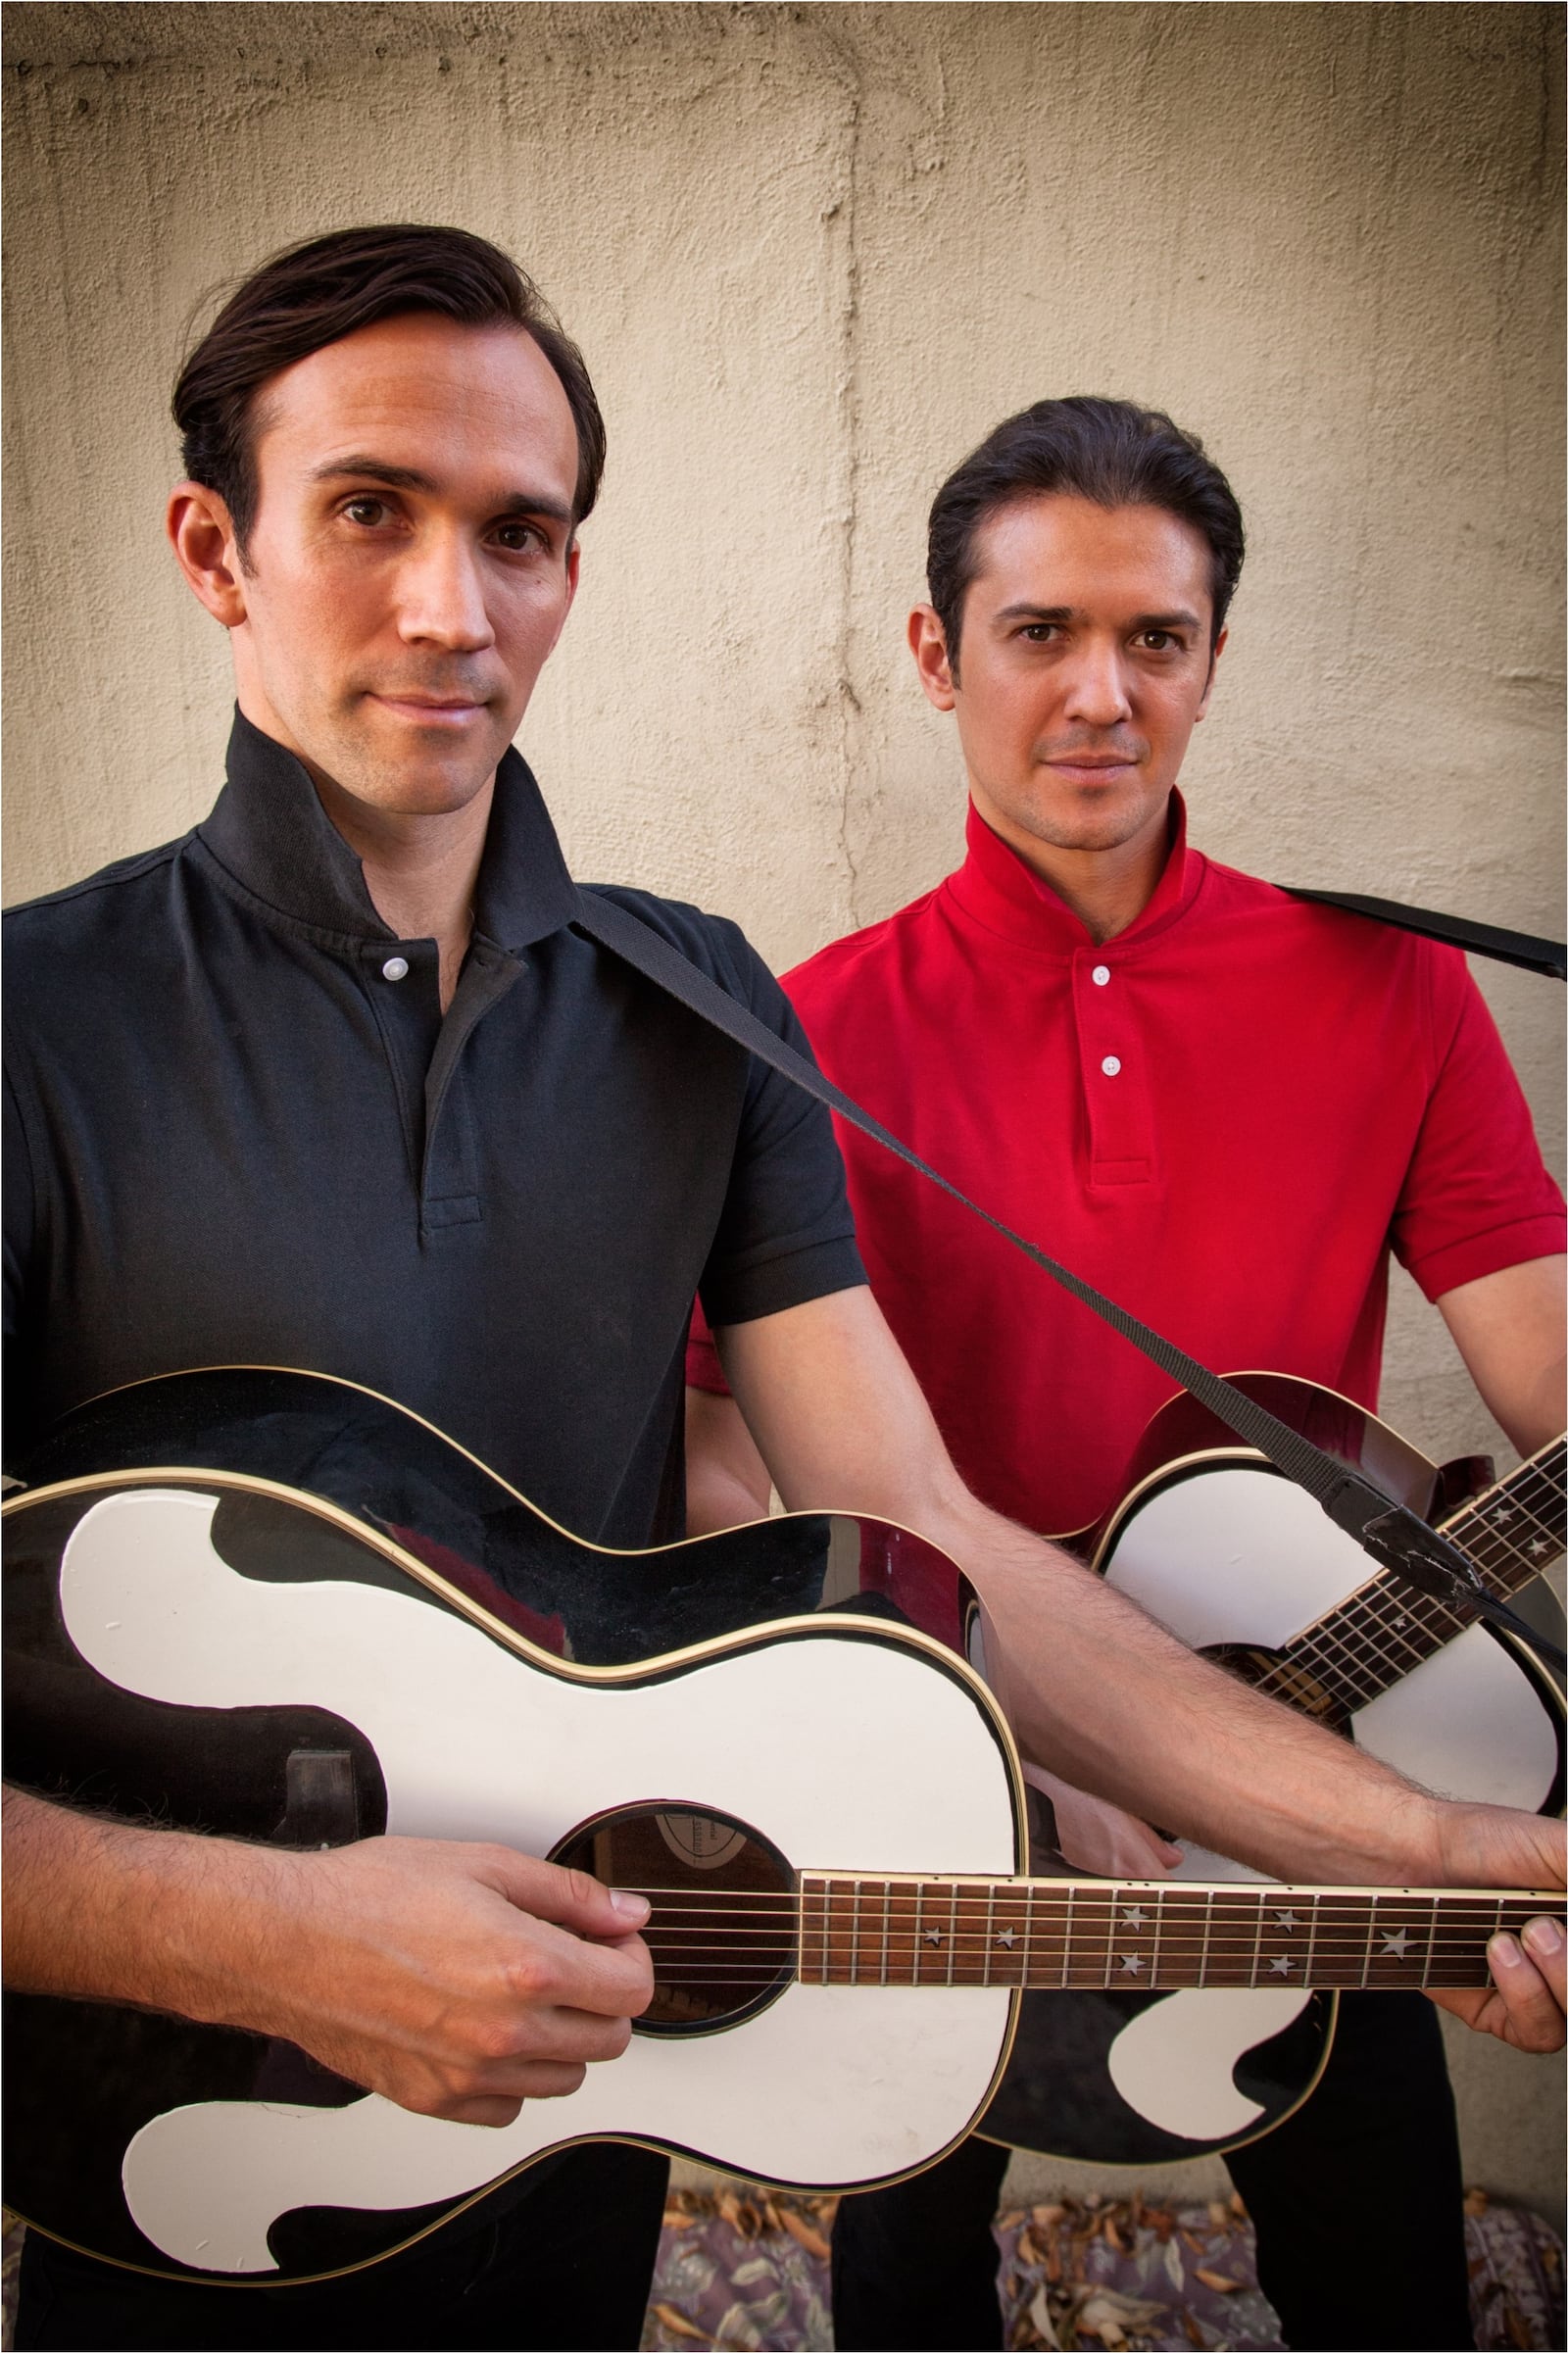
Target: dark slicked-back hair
[(315, 294), (1108, 451)]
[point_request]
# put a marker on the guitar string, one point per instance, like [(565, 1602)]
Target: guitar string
[(1377, 1607)]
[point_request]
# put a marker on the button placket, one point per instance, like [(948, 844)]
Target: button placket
[(1121, 1142)]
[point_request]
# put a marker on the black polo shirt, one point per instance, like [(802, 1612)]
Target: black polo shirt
[(239, 1129)]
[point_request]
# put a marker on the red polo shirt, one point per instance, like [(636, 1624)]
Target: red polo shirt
[(1224, 1118)]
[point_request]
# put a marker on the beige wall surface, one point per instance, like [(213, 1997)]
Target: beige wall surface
[(812, 253)]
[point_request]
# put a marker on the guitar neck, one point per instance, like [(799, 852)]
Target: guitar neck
[(1130, 1936), (1380, 1632)]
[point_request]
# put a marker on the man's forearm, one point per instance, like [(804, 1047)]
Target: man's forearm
[(107, 1911), (1102, 1695)]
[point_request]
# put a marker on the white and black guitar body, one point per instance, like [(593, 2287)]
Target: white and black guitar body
[(1240, 1563), (275, 1606), (256, 1643)]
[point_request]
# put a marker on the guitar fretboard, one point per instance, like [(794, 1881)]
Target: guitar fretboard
[(1130, 1936), (1377, 1634)]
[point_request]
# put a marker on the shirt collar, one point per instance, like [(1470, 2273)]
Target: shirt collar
[(996, 887), (271, 832)]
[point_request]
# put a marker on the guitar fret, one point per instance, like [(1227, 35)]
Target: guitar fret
[(1377, 1634), (1134, 1936)]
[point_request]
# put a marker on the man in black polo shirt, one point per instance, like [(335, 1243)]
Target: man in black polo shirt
[(333, 1082)]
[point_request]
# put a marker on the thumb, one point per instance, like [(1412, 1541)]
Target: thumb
[(571, 1899)]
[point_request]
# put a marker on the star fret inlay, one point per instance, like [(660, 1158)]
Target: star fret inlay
[(1134, 1917), (1007, 1936), (1397, 1944), (1282, 1965), (933, 1935), (1288, 1921), (1132, 1962)]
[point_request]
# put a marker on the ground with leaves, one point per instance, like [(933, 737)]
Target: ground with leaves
[(747, 2268)]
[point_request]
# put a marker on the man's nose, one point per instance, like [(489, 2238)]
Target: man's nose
[(441, 599), (1096, 687)]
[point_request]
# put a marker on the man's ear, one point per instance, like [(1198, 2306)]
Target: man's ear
[(201, 532), (1201, 711), (929, 646)]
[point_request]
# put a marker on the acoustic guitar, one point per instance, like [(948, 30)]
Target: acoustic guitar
[(1242, 1564), (269, 1605)]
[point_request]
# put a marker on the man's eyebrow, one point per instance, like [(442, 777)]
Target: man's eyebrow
[(1181, 618), (408, 477)]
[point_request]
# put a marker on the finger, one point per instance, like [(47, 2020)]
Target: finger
[(1543, 1941), (1535, 2014), (568, 1973), (572, 1899), (499, 2091)]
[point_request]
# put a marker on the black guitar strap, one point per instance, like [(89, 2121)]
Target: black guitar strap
[(1392, 1534), (1521, 948)]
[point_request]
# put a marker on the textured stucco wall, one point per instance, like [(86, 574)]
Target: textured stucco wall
[(812, 253)]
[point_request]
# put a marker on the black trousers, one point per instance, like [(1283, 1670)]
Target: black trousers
[(567, 2268), (1357, 2202)]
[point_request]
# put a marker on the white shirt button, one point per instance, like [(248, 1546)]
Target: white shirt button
[(1111, 1064), (1099, 975), (395, 967)]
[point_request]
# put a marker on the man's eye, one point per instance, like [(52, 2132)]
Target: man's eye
[(1040, 633), (519, 536), (1159, 641), (367, 511)]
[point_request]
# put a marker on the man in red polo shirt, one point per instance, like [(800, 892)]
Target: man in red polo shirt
[(1222, 1106)]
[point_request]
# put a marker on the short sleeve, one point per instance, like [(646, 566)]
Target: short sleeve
[(702, 1368), (786, 1233), (1477, 1196)]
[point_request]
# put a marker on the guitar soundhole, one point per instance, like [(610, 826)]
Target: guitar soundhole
[(722, 1932)]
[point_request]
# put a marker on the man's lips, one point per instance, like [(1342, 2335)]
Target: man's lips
[(433, 711), (1092, 763)]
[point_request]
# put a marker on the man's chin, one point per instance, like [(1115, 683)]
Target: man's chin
[(415, 779)]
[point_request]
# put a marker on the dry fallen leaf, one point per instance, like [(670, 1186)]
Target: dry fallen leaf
[(1042, 2322), (1194, 2334), (1476, 2201), (1112, 2316), (1046, 2215), (1218, 2213), (1216, 2280), (680, 2326), (798, 2228), (1237, 2206), (1113, 2236), (1026, 2249)]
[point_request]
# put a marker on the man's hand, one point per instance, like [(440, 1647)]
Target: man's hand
[(459, 1980), (1489, 1846), (1094, 1835)]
